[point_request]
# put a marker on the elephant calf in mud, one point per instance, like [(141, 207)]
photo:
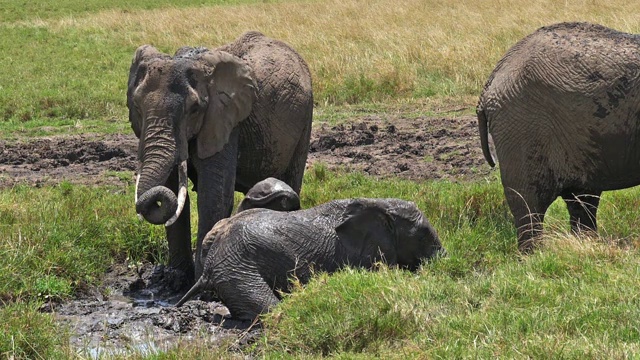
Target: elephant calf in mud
[(254, 254)]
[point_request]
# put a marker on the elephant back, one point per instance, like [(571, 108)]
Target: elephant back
[(568, 58), (278, 129)]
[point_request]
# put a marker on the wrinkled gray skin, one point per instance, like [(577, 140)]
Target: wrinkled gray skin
[(563, 109), (256, 252), (230, 117), (270, 193)]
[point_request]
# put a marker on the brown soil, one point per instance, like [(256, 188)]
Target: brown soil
[(416, 149), (82, 159), (131, 310)]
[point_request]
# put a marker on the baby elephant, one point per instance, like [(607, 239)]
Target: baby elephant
[(255, 253), (270, 193)]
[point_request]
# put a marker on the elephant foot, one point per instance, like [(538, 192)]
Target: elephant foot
[(528, 246), (170, 279)]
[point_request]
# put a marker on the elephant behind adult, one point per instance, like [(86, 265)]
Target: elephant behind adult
[(226, 118), (270, 193), (563, 109), (255, 253)]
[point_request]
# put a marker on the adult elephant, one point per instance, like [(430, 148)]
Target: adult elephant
[(563, 109), (254, 254), (225, 118)]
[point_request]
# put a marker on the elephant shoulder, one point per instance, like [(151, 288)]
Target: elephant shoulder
[(268, 56)]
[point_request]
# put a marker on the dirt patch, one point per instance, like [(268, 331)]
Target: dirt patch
[(78, 159), (132, 310), (416, 149)]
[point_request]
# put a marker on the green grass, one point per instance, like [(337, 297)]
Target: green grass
[(15, 130), (25, 333), (68, 60), (72, 75), (407, 109), (574, 298), (12, 11), (57, 238)]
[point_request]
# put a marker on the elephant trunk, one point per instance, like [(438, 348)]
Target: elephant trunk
[(157, 205), (155, 202)]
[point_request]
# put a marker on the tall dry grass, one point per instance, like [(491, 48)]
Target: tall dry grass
[(368, 49), (405, 47)]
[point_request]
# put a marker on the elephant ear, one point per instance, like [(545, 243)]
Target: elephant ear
[(232, 91), (366, 233), (137, 72)]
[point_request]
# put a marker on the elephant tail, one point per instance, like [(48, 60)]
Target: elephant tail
[(196, 288), (484, 136)]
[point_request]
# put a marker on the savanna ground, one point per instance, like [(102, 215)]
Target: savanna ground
[(395, 85)]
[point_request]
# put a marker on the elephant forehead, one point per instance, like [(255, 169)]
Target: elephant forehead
[(170, 74), (402, 208), (269, 186)]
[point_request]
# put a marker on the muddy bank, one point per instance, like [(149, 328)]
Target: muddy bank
[(416, 149), (132, 311)]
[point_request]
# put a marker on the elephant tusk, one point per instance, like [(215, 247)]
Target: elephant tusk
[(182, 196), (182, 193), (136, 192), (140, 217)]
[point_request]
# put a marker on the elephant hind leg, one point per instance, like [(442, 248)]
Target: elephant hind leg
[(528, 208), (294, 173), (582, 206), (248, 297)]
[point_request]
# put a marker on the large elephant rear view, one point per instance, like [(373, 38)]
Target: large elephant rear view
[(563, 109), (226, 118)]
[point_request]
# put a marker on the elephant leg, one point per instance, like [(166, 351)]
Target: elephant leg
[(528, 207), (246, 297), (216, 183), (179, 239), (582, 207), (294, 173)]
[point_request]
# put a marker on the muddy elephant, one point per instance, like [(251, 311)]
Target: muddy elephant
[(224, 118), (256, 253), (270, 193), (563, 110)]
